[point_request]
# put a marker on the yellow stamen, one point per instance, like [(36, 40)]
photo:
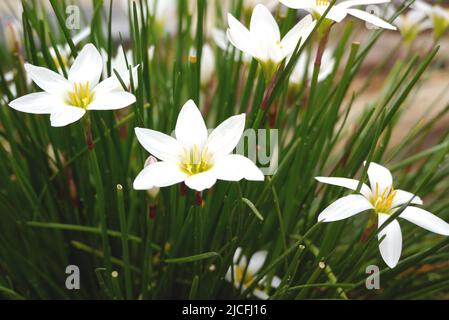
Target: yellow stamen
[(382, 202), (193, 161), (239, 273), (323, 3), (81, 96)]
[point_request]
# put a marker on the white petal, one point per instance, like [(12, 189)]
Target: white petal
[(113, 84), (226, 136), (263, 24), (257, 261), (66, 115), (239, 36), (403, 197), (276, 282), (228, 275), (235, 167), (159, 174), (201, 181), (190, 127), (38, 103), (346, 183), (87, 66), (207, 65), (353, 3), (299, 4), (425, 220), (365, 16), (238, 257), (112, 101), (159, 144), (336, 13), (344, 208), (48, 80), (301, 31), (391, 246), (379, 176), (83, 34)]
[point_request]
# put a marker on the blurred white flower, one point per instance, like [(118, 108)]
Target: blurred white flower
[(263, 40), (12, 35), (305, 64), (339, 11), (194, 157), (67, 100), (207, 64), (438, 15), (412, 23), (152, 192), (243, 273), (384, 200)]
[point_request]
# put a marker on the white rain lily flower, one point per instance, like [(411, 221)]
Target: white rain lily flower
[(237, 275), (411, 23), (68, 100), (438, 15), (263, 40), (207, 64), (384, 201), (306, 65), (194, 157), (339, 11)]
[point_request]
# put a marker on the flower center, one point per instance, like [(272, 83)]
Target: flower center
[(194, 161), (81, 96), (239, 273), (383, 199)]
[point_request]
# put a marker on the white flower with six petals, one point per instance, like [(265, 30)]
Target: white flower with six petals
[(243, 273), (340, 10), (68, 100), (384, 200), (263, 39), (195, 157)]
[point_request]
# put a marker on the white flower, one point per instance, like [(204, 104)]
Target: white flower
[(384, 200), (411, 23), (339, 11), (67, 100), (304, 65), (263, 40), (438, 15), (207, 64), (194, 157), (245, 279)]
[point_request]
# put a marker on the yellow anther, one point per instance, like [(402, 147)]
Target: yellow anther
[(81, 96), (193, 161), (382, 202), (239, 273), (323, 3)]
